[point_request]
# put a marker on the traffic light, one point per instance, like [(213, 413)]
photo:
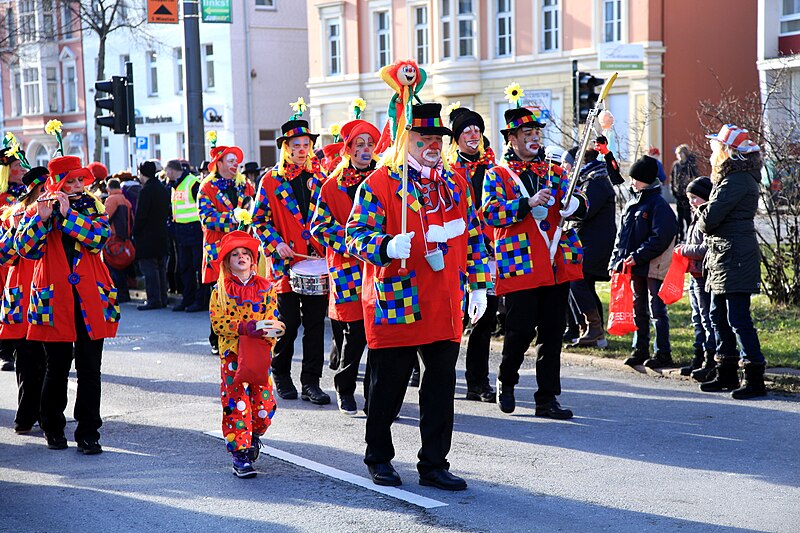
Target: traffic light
[(587, 98), (117, 103)]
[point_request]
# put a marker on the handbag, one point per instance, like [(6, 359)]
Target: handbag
[(254, 357), (119, 251), (620, 305), (672, 287)]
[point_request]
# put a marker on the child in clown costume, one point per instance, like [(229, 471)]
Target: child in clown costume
[(240, 302)]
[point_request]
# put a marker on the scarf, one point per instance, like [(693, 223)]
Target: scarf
[(444, 221)]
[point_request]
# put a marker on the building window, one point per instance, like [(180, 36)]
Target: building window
[(16, 92), (152, 73), (503, 29), (155, 146), (51, 78), (612, 21), (266, 3), (550, 25), (67, 16), (181, 144), (383, 39), (48, 20), (70, 89), (27, 20), (106, 153), (334, 55), (447, 30), (790, 17), (267, 149), (466, 29), (42, 156), (11, 27), (208, 63), (421, 47), (178, 52), (30, 90)]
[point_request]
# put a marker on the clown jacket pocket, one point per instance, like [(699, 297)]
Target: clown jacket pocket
[(108, 297), (513, 255), (11, 306), (571, 247), (346, 281), (398, 300), (40, 310)]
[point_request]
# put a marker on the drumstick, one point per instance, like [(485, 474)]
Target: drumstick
[(306, 256)]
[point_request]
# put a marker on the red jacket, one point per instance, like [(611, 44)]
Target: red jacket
[(17, 275), (51, 313), (277, 219), (423, 306)]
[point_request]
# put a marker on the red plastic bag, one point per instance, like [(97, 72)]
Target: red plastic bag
[(672, 287), (620, 305), (254, 358)]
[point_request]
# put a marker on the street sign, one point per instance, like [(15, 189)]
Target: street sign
[(141, 143), (162, 11), (216, 10), (616, 56)]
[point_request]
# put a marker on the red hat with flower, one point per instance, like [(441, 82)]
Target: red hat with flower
[(238, 239), (219, 152), (63, 168)]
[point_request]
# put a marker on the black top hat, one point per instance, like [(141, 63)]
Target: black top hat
[(203, 166), (32, 178), (251, 166), (427, 120), (461, 118), (295, 128), (518, 118), (6, 158)]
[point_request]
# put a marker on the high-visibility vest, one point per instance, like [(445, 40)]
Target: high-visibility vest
[(184, 207)]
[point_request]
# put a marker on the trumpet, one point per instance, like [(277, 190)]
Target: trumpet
[(49, 198)]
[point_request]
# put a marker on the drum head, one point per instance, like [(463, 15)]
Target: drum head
[(311, 267)]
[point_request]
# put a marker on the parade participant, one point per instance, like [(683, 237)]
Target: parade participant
[(470, 152), (412, 299), (251, 173), (30, 357), (240, 301), (221, 193), (333, 207), (282, 219), (73, 304), (535, 261), (185, 189)]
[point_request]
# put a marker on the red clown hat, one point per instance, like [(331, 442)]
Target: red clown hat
[(65, 167), (218, 152), (238, 239)]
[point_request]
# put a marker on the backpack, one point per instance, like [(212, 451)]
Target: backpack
[(119, 251)]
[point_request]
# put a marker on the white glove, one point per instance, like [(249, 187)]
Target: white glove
[(400, 246), (477, 304), (573, 206)]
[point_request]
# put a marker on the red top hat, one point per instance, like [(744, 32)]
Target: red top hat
[(65, 167), (99, 170), (238, 239), (219, 152), (354, 128)]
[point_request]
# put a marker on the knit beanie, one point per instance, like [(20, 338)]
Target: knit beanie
[(461, 118), (700, 187), (645, 169), (148, 168)]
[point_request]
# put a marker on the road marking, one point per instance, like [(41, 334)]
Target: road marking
[(711, 437), (347, 477)]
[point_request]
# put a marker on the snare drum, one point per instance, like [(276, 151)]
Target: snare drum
[(309, 276), (493, 271)]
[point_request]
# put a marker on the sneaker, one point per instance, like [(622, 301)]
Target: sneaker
[(8, 366), (242, 467), (481, 393), (254, 451), (215, 350), (23, 429), (57, 442), (89, 447), (347, 404)]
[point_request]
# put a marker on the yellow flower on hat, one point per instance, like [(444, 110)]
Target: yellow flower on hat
[(243, 216), (360, 104), (10, 137), (452, 107), (335, 129), (514, 93), (211, 136), (299, 106), (13, 150), (53, 127)]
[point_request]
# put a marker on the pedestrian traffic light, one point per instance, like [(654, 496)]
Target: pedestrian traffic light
[(117, 103), (587, 97)]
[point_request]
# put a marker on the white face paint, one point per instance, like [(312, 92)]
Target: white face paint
[(526, 142), (299, 148), (426, 149), (469, 140), (362, 148)]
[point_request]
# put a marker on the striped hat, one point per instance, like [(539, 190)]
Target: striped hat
[(735, 137)]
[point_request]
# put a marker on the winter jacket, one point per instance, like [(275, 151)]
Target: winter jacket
[(695, 249), (150, 232), (681, 174), (647, 233), (733, 259), (598, 227)]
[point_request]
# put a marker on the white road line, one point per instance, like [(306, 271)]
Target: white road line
[(711, 437), (400, 494)]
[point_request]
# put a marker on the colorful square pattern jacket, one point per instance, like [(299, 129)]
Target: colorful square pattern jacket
[(18, 274), (423, 306), (51, 311)]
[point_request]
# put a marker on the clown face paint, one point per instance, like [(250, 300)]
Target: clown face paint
[(299, 147), (361, 149), (228, 166), (73, 185), (469, 140), (15, 172), (526, 142), (240, 262), (429, 153)]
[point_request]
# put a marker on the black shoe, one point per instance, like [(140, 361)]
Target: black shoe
[(23, 429), (254, 451), (148, 307), (697, 362), (753, 385), (727, 378), (284, 386), (179, 309), (347, 404), (195, 309), (8, 366), (414, 381), (481, 393), (214, 350), (89, 447), (56, 442), (442, 479), (312, 393), (384, 474), (660, 361), (506, 399), (553, 410), (637, 358)]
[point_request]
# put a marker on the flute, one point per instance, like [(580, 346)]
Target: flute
[(54, 198)]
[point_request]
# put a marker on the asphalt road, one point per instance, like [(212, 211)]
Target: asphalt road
[(642, 454)]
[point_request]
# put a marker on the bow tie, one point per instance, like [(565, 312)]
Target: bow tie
[(291, 171), (538, 168), (353, 176)]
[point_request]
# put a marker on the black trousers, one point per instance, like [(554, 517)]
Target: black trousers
[(354, 341), (480, 338), (310, 310), (337, 332), (88, 355), (30, 377), (155, 280), (6, 350), (390, 371), (190, 259), (535, 313)]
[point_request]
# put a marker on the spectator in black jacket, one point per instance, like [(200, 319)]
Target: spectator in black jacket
[(644, 244), (151, 236)]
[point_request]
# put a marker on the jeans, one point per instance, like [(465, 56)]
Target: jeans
[(155, 280), (730, 314), (643, 309), (700, 299)]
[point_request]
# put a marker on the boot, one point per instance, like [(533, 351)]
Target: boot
[(727, 378), (506, 398), (638, 357), (660, 360), (594, 335), (697, 362), (753, 384), (708, 371)]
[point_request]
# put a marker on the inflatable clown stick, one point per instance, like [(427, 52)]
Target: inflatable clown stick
[(406, 79)]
